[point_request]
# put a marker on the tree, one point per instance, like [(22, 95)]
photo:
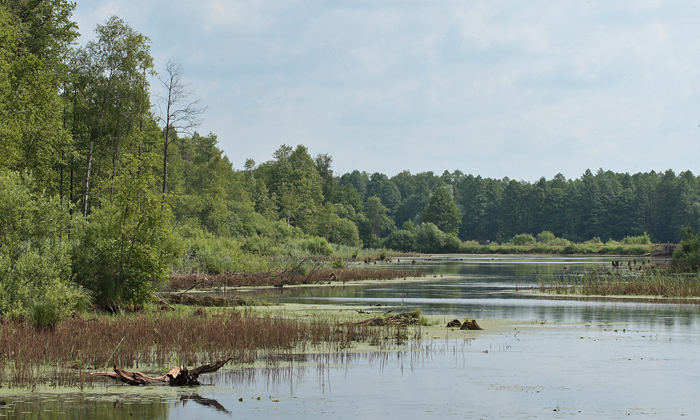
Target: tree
[(377, 215), (34, 38), (442, 211), (182, 114), (126, 245), (35, 264), (110, 100)]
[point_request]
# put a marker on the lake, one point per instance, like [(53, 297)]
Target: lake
[(556, 358)]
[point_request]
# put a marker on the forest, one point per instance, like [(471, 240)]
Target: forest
[(106, 188)]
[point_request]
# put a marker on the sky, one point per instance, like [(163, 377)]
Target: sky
[(517, 89)]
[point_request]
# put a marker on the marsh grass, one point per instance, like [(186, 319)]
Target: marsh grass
[(154, 342), (287, 277), (610, 248), (623, 282)]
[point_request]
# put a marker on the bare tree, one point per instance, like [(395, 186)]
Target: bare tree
[(182, 111)]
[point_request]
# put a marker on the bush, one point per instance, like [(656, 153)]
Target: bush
[(686, 257), (401, 240), (35, 265), (207, 253), (523, 239), (545, 237), (317, 246), (638, 240), (431, 239)]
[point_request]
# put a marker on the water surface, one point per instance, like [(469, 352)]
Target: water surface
[(559, 358)]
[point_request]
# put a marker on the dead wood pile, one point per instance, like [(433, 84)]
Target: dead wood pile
[(399, 319), (177, 376)]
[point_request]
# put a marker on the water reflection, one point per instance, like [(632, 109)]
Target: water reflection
[(624, 358), (495, 287), (206, 402)]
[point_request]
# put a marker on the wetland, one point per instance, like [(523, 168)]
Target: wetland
[(536, 356)]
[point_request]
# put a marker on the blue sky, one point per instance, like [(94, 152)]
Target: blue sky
[(499, 89)]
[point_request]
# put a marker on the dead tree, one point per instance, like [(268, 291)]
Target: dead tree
[(177, 376)]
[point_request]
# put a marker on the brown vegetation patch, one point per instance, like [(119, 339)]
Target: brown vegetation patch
[(405, 318), (63, 356), (284, 278)]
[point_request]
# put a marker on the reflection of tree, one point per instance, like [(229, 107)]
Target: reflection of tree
[(207, 402)]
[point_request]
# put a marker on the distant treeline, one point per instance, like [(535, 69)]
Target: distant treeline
[(605, 205)]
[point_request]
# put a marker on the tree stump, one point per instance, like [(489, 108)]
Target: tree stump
[(470, 324)]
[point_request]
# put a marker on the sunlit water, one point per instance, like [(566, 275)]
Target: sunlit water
[(561, 359)]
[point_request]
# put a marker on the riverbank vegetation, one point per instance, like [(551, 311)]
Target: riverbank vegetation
[(678, 278), (154, 340), (105, 200)]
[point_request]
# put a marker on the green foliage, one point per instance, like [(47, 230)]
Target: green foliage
[(207, 253), (686, 257), (545, 237), (401, 240), (339, 263), (431, 239), (316, 246), (642, 239), (523, 239), (442, 211), (378, 221), (126, 245), (35, 264)]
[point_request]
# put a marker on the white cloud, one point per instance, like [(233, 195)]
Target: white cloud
[(517, 89)]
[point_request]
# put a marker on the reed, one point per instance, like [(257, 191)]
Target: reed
[(158, 340), (653, 283), (286, 277)]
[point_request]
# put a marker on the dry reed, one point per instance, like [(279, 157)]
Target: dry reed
[(623, 282), (156, 341), (321, 276)]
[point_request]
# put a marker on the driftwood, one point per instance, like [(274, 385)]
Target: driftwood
[(177, 376)]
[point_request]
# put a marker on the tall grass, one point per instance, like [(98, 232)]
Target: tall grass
[(610, 248), (156, 341), (321, 275), (624, 282)]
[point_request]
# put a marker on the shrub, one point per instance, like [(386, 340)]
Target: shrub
[(545, 237), (317, 246), (523, 239), (401, 240), (638, 240), (686, 257), (35, 265)]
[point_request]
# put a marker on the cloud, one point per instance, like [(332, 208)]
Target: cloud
[(513, 89)]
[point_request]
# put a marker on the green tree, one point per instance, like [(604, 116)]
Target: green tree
[(34, 38), (442, 211), (35, 266), (378, 220), (126, 245), (110, 100)]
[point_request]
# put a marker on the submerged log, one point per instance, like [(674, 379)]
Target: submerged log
[(177, 376)]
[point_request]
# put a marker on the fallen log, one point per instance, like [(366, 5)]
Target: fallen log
[(177, 376)]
